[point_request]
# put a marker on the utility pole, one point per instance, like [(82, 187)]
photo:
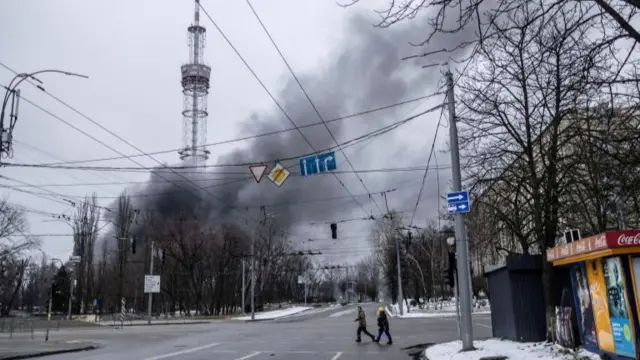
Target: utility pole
[(70, 293), (150, 301), (253, 278), (400, 296), (243, 285), (462, 247)]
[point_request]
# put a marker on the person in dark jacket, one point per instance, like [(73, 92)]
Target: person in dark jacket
[(362, 325), (383, 326)]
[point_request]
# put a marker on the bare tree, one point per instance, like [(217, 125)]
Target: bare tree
[(124, 218), (85, 232), (452, 16), (530, 77)]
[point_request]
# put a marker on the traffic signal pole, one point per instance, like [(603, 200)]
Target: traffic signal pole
[(462, 246), (400, 295)]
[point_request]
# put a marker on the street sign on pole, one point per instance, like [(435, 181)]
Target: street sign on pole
[(258, 171), (151, 284), (317, 164), (458, 202), (74, 259), (279, 174)]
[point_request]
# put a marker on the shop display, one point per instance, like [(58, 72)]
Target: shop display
[(585, 309), (618, 306)]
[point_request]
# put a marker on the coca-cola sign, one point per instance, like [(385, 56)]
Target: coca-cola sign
[(604, 241), (629, 240)]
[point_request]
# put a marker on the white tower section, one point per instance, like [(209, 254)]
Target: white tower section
[(195, 89)]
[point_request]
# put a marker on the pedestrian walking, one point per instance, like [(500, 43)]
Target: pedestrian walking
[(362, 325), (383, 326)]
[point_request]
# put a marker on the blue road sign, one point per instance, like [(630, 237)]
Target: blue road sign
[(316, 164), (458, 202)]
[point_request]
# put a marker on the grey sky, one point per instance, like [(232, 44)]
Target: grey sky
[(132, 51)]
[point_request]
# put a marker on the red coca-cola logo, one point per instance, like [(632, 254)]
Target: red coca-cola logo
[(627, 240)]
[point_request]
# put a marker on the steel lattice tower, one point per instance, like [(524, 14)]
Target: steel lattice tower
[(195, 89)]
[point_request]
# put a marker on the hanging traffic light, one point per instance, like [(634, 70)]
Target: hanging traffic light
[(334, 231)]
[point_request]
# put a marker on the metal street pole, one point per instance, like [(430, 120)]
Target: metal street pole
[(70, 293), (400, 296), (150, 301), (456, 295), (462, 247), (243, 285), (253, 279)]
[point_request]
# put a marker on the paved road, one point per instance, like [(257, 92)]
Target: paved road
[(325, 335)]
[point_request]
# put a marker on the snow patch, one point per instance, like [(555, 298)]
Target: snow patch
[(276, 314), (432, 310), (511, 350), (343, 313), (317, 310)]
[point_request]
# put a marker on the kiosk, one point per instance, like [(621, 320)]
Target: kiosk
[(605, 279)]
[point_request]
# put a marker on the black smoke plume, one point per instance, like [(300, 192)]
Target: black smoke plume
[(365, 72)]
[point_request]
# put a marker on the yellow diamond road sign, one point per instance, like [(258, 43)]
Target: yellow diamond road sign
[(279, 174)]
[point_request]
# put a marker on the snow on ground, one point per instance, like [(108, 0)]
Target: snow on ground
[(318, 310), (276, 314), (512, 350), (440, 309), (343, 313)]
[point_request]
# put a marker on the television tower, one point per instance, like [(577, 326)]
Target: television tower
[(195, 88)]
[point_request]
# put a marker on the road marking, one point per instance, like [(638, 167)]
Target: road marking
[(187, 351), (249, 356), (483, 325), (337, 355)]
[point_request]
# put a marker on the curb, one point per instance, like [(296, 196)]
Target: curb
[(160, 324), (48, 353), (418, 352), (259, 320)]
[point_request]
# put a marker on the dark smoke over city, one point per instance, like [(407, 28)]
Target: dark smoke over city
[(343, 86)]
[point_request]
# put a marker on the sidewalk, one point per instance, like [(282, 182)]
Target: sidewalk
[(505, 350), (24, 349)]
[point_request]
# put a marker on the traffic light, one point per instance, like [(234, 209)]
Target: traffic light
[(451, 270), (133, 245), (334, 231), (450, 274)]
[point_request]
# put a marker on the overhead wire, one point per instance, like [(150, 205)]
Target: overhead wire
[(257, 136), (306, 94), (426, 170), (271, 95), (230, 206), (351, 142), (37, 149)]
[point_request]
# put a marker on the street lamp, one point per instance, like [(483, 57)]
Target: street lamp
[(451, 241), (14, 95)]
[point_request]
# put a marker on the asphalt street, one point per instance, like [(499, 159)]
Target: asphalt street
[(326, 335)]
